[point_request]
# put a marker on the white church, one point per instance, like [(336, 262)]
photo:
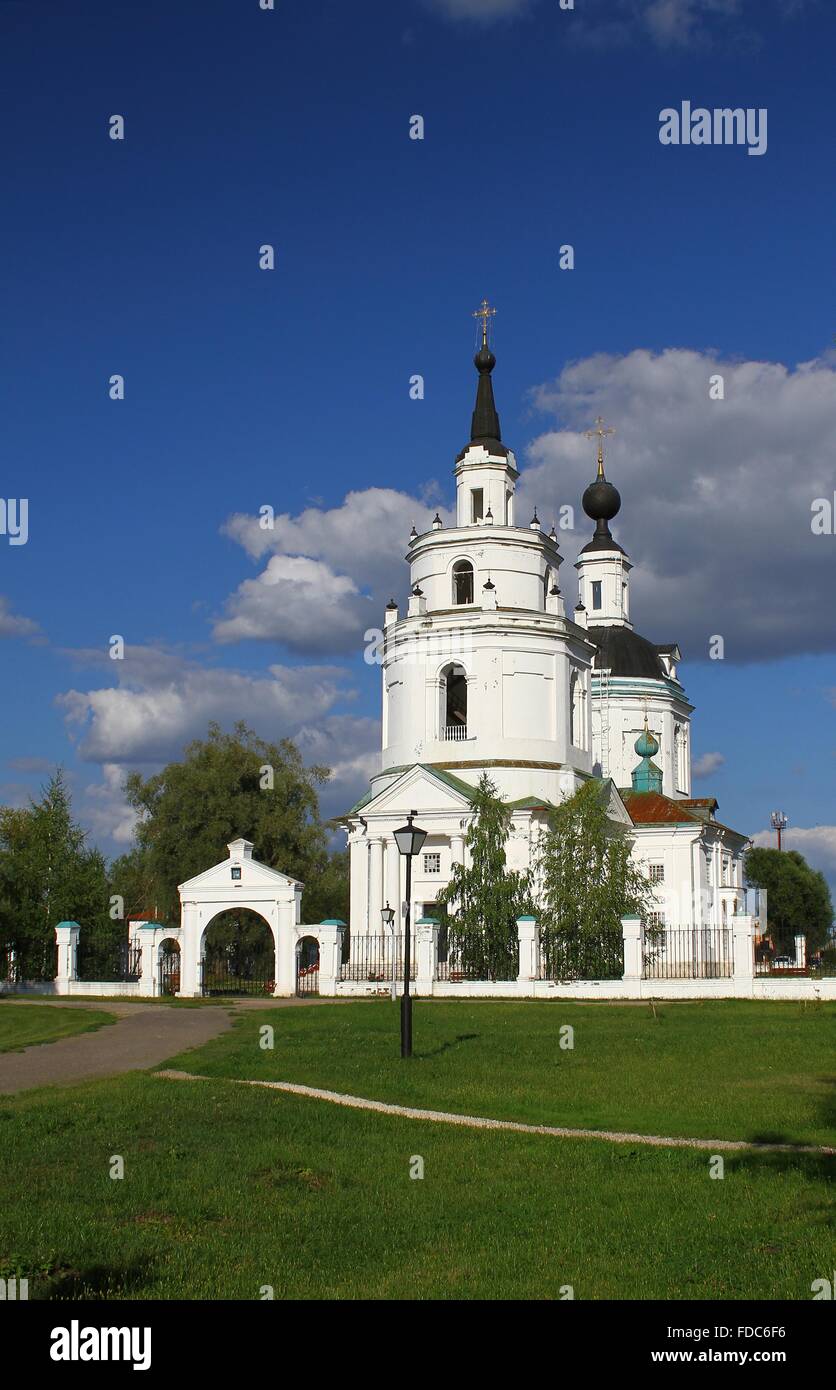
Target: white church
[(487, 671)]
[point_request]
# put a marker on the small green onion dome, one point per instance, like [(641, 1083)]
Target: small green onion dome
[(646, 745)]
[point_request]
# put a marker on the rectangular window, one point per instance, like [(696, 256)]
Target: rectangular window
[(726, 867), (236, 874), (657, 873), (432, 863), (596, 593), (477, 504)]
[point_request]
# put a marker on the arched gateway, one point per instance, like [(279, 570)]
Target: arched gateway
[(240, 882)]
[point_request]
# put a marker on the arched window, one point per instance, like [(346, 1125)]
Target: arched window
[(462, 582), (547, 583), (575, 694), (680, 758), (454, 702)]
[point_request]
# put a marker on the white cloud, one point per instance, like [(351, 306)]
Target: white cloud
[(676, 24), (330, 571), (162, 701), (104, 810), (817, 843), (716, 516), (708, 764), (717, 495), (12, 624), (679, 22), (300, 602)]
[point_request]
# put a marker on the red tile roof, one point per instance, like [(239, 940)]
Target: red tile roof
[(652, 808)]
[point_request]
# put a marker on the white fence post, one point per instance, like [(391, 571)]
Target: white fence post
[(529, 953), (426, 953), (66, 937), (146, 938), (631, 928), (743, 953), (330, 954)]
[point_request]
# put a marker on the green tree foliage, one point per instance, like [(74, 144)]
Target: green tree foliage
[(221, 790), (586, 882), (798, 899), (483, 899), (48, 874)]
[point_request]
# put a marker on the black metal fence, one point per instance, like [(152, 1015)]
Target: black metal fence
[(307, 966), (781, 953), (28, 961), (370, 959), (688, 953), (573, 956), (475, 955), (109, 959), (228, 970), (170, 970)]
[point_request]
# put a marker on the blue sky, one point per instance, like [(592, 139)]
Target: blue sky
[(290, 388)]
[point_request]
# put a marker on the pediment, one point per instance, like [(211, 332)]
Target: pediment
[(419, 789), (253, 875)]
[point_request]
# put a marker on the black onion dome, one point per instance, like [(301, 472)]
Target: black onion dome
[(601, 501)]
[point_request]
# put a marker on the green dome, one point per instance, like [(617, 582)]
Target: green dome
[(646, 745)]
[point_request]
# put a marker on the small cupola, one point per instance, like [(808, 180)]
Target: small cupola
[(647, 777), (603, 567)]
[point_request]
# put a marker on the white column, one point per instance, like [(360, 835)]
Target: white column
[(190, 923), (375, 925), (743, 946), (632, 930), (359, 884), (150, 947), (284, 922), (66, 937), (527, 937), (330, 958), (426, 956)]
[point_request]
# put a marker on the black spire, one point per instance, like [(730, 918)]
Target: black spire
[(484, 428)]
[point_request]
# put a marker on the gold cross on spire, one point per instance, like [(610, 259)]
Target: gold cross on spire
[(485, 313), (601, 434)]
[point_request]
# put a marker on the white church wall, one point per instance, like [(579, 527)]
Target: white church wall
[(622, 715)]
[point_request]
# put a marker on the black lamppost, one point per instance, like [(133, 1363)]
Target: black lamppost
[(387, 914), (409, 840)]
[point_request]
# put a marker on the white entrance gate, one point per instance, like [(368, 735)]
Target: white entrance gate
[(237, 882)]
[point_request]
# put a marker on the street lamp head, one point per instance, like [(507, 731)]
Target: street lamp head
[(410, 838), (388, 915)]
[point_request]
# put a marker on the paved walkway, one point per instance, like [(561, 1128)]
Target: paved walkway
[(143, 1036), (444, 1117)]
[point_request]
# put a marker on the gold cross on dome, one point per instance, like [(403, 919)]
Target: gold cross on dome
[(601, 434), (485, 313)]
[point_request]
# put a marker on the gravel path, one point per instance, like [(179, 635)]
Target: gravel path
[(481, 1122)]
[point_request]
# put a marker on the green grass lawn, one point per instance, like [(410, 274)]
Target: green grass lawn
[(229, 1188), (23, 1024), (724, 1070)]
